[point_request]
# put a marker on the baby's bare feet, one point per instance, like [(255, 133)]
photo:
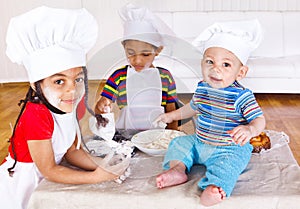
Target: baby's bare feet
[(170, 177), (212, 195)]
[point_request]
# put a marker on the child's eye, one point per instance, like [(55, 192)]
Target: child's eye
[(79, 80), (209, 62), (130, 54), (146, 54), (59, 82), (226, 64)]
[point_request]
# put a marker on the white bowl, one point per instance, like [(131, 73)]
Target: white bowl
[(155, 142)]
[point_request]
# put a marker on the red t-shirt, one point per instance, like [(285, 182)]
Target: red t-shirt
[(36, 123)]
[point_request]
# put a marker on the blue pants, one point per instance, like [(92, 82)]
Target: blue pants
[(223, 164)]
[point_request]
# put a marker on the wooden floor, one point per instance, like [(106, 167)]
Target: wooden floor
[(282, 112)]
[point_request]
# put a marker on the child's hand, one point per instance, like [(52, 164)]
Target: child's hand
[(164, 118), (241, 134), (102, 175), (103, 106), (114, 163), (158, 123)]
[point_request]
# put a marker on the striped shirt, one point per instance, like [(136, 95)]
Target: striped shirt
[(221, 110), (115, 87)]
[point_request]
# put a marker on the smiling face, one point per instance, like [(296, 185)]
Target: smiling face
[(64, 90), (140, 54), (220, 67)]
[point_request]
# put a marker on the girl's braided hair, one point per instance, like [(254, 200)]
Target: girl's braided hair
[(101, 121), (32, 97)]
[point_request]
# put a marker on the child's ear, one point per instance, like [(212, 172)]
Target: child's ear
[(242, 73), (158, 50)]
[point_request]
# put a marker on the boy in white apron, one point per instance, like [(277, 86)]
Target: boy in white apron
[(52, 45), (141, 90)]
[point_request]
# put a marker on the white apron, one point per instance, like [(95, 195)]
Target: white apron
[(144, 96), (15, 191)]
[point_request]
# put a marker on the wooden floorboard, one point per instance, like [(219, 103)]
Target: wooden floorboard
[(282, 112)]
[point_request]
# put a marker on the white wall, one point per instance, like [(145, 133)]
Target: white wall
[(110, 27)]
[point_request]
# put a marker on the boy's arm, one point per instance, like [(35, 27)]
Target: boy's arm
[(182, 113), (106, 92), (257, 125), (187, 111), (243, 133)]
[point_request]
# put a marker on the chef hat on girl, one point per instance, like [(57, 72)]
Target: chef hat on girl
[(49, 40), (239, 37), (142, 25)]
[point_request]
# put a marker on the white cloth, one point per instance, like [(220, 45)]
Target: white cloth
[(144, 96), (65, 130), (141, 24), (239, 37), (49, 40), (271, 180), (107, 132), (15, 191)]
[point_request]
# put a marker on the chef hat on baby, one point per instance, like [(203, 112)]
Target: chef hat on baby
[(239, 37), (49, 40), (142, 25)]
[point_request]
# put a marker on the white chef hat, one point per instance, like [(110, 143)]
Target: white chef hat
[(239, 37), (49, 40), (142, 25)]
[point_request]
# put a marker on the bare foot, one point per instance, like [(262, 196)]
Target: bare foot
[(170, 177), (212, 195)]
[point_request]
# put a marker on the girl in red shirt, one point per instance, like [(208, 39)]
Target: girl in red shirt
[(47, 129)]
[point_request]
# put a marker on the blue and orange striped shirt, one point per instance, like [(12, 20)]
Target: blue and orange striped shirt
[(221, 110), (115, 87)]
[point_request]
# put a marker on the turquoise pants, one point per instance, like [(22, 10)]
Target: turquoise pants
[(223, 164)]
